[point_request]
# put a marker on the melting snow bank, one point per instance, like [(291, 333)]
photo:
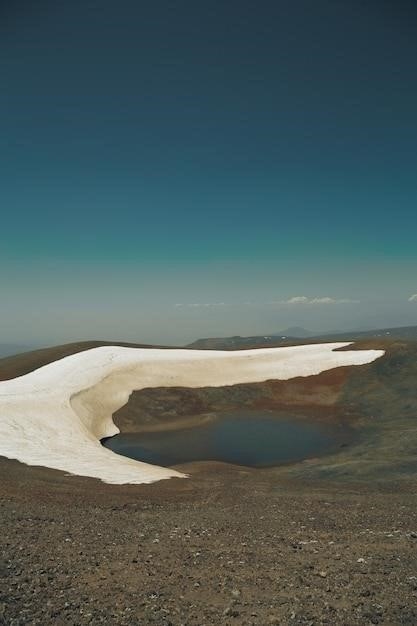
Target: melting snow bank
[(56, 415)]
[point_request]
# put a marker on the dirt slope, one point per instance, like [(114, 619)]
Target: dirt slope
[(332, 541)]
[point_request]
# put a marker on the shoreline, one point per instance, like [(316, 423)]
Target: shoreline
[(341, 433)]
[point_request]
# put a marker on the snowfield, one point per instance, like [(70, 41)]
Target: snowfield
[(56, 415)]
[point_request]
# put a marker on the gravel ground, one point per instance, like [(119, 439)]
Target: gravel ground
[(331, 541), (224, 547)]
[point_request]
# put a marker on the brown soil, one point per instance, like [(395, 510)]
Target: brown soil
[(228, 546), (331, 541)]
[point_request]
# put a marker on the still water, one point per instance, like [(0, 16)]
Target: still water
[(255, 439)]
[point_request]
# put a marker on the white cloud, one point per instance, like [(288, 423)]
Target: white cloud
[(317, 300), (413, 298), (294, 300), (297, 300)]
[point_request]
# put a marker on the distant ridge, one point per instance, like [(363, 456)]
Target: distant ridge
[(396, 332), (294, 331), (23, 363), (8, 349), (19, 360), (237, 342), (240, 343)]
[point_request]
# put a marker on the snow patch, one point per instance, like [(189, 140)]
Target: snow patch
[(56, 415)]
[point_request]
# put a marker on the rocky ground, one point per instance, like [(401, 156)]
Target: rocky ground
[(227, 546), (331, 541)]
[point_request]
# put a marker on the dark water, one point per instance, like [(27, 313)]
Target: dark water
[(255, 439)]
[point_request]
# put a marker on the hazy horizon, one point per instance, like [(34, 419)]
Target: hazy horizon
[(171, 173)]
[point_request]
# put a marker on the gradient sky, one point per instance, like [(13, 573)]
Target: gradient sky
[(171, 170)]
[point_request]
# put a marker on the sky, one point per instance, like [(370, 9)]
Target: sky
[(175, 170)]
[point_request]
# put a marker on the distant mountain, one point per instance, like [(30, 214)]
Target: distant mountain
[(408, 333)]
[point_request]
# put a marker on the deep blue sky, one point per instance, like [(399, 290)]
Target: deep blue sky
[(227, 153)]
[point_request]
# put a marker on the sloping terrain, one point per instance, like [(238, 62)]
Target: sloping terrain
[(330, 541), (21, 364), (8, 349), (56, 415), (378, 400)]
